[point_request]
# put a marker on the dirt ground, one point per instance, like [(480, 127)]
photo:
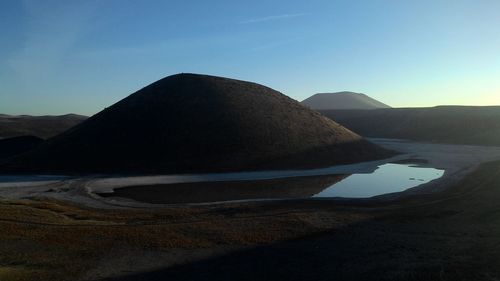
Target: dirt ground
[(456, 160), (449, 235), (445, 230)]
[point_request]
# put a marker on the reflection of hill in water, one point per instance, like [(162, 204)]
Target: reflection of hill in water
[(299, 187)]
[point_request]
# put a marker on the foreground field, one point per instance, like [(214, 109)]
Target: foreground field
[(451, 235)]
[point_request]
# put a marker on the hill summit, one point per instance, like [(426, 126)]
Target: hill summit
[(198, 123), (342, 100)]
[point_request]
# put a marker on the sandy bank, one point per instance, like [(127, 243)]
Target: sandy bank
[(456, 160)]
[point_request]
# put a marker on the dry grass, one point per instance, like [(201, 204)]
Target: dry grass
[(50, 240), (453, 234)]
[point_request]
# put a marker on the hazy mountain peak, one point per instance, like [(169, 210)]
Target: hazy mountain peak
[(342, 100)]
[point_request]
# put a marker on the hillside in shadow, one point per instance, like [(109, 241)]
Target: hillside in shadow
[(198, 123), (475, 125)]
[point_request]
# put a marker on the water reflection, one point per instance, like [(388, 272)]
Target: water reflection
[(200, 192), (388, 178)]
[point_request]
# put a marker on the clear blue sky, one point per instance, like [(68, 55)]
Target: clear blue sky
[(81, 56)]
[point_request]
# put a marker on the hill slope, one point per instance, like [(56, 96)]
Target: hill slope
[(197, 123), (40, 126), (342, 100), (477, 125), (17, 145)]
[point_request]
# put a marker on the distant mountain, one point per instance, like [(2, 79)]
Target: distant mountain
[(40, 126), (477, 125), (342, 100), (199, 123)]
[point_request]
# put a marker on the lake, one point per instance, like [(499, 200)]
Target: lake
[(387, 178)]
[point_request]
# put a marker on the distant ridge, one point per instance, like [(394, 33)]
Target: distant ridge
[(199, 123), (474, 125), (45, 126), (342, 100)]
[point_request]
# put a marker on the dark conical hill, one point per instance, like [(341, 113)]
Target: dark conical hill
[(17, 145), (198, 123)]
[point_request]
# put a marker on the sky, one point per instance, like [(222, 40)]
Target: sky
[(62, 56)]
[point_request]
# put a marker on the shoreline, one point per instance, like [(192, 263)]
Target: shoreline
[(457, 161), (430, 232)]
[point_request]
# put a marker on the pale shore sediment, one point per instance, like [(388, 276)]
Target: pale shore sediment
[(456, 160)]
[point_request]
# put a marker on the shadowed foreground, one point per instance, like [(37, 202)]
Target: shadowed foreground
[(452, 237), (447, 236)]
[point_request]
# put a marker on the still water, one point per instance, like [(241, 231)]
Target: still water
[(388, 178)]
